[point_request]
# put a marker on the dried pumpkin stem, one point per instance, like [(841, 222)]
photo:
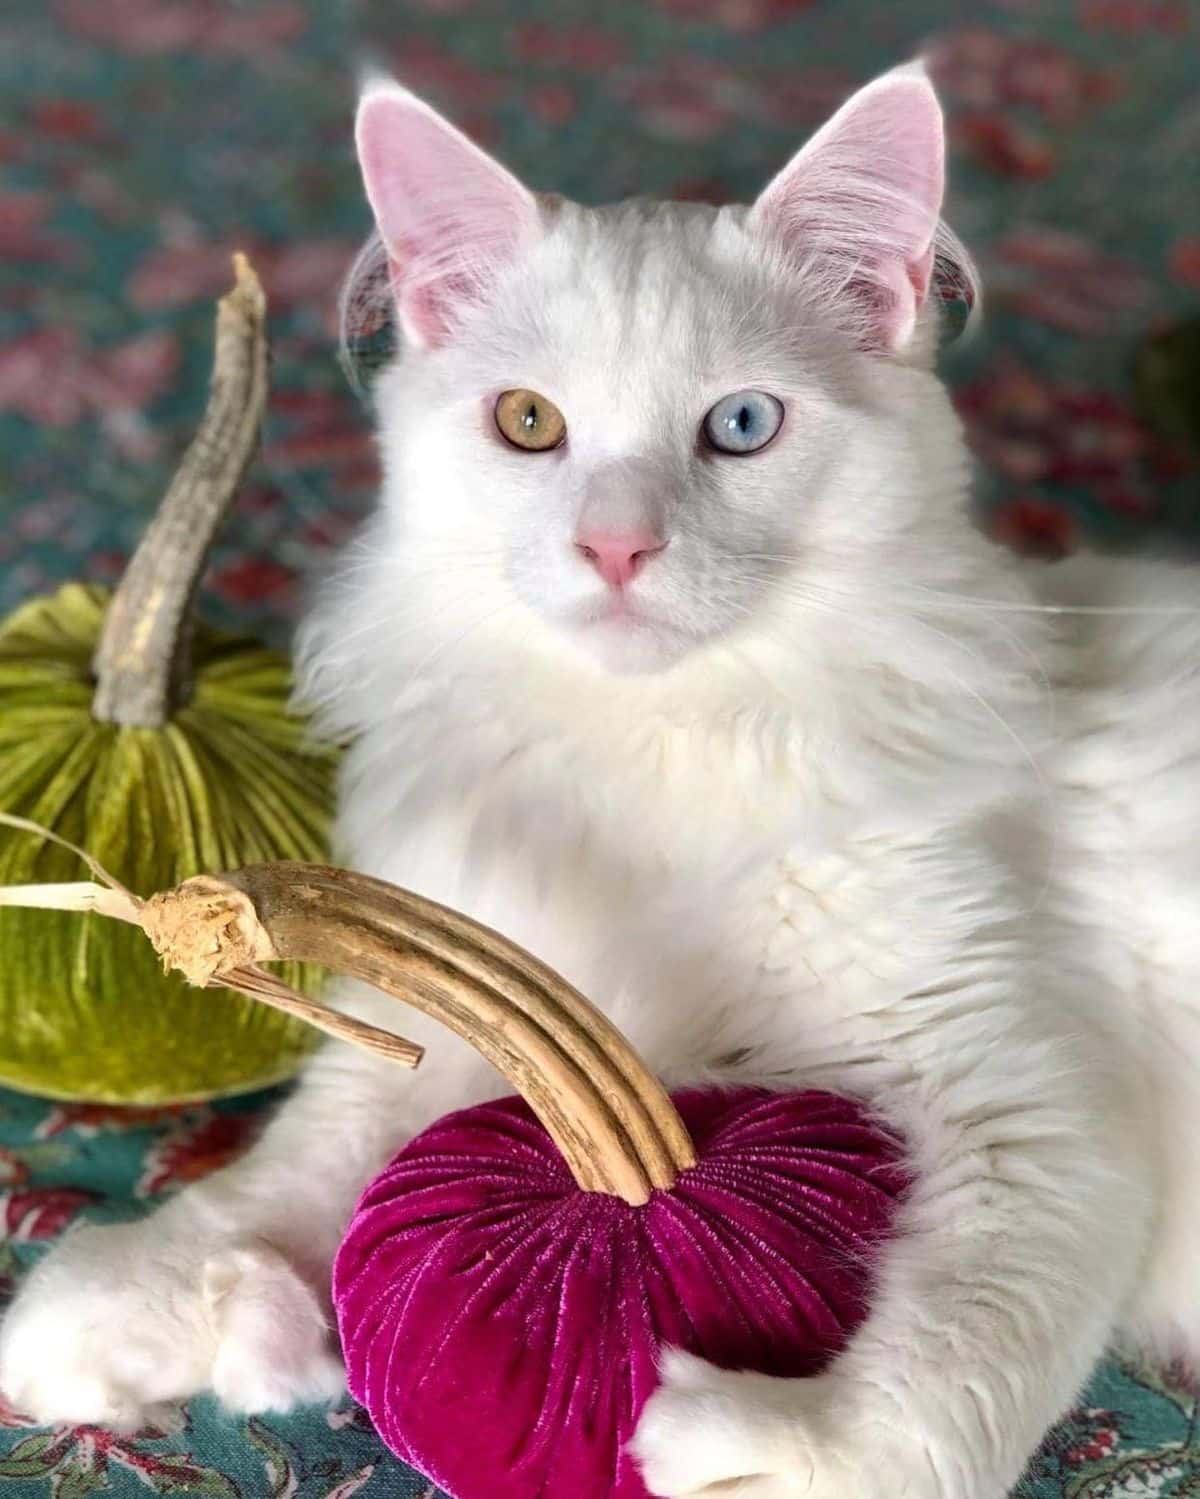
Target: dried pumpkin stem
[(143, 663), (106, 896), (610, 1117), (78, 895), (608, 1114), (257, 983)]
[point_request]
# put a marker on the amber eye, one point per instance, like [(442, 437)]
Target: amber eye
[(530, 421)]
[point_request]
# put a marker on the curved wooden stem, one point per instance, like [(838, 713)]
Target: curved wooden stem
[(143, 662), (608, 1114)]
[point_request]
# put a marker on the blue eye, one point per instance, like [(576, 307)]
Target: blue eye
[(743, 422)]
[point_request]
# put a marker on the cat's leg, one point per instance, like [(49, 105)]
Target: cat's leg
[(1017, 1246), (1162, 1321), (225, 1287)]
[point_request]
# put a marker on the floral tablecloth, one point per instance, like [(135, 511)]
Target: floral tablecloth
[(142, 140)]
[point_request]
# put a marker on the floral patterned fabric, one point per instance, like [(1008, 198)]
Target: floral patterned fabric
[(142, 140)]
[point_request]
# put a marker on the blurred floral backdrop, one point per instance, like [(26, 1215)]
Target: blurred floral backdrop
[(140, 140)]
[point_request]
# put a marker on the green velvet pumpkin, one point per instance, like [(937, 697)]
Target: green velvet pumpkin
[(165, 749)]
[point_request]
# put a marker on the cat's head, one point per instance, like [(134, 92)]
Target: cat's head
[(636, 433)]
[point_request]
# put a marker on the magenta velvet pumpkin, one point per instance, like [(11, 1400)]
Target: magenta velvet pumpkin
[(502, 1327)]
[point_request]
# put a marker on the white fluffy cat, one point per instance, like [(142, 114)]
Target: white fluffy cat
[(716, 700)]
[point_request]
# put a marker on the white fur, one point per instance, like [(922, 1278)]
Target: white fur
[(843, 808)]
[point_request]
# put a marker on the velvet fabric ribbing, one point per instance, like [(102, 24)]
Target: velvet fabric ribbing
[(502, 1327)]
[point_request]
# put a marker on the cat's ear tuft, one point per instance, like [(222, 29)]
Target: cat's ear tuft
[(859, 205), (449, 215)]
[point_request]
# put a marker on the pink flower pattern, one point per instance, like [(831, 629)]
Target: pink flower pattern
[(52, 378), (199, 1143), (151, 27), (1067, 282)]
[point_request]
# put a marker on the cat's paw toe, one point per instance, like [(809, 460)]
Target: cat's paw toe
[(708, 1431), (273, 1344)]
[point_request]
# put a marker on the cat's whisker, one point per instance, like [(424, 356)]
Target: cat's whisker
[(443, 647), (974, 601), (877, 627)]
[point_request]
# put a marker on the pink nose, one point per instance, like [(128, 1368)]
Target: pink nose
[(618, 556)]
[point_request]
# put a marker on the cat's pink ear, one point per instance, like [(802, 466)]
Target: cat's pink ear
[(448, 214), (858, 206)]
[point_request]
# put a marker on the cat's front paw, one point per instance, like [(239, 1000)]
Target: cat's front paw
[(117, 1322), (274, 1349), (706, 1431)]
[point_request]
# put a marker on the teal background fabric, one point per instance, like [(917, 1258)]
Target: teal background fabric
[(142, 140)]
